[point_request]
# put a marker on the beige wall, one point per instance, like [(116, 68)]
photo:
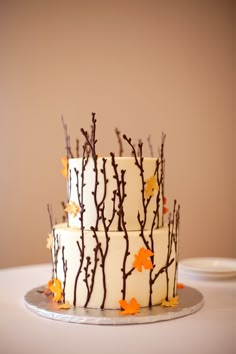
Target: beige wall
[(234, 125), (144, 66)]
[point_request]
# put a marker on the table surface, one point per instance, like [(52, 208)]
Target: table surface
[(210, 330)]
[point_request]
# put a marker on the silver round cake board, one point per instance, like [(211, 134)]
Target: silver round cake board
[(190, 301)]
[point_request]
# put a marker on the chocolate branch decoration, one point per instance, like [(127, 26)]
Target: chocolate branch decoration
[(91, 142), (80, 193), (119, 191), (150, 145), (121, 222), (99, 206), (56, 249), (140, 148), (155, 222), (65, 268), (88, 275), (160, 165), (67, 140), (103, 254), (139, 164), (119, 142), (171, 236), (162, 178), (175, 230), (49, 209), (92, 145), (64, 216), (77, 147), (173, 225)]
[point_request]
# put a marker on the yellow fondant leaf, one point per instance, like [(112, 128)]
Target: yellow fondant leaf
[(65, 306), (64, 162), (49, 241), (54, 286), (72, 208), (174, 301), (130, 308), (150, 185), (141, 259)]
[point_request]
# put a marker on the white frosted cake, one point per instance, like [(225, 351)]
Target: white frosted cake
[(116, 250)]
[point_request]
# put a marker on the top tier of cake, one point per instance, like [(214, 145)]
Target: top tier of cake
[(115, 193)]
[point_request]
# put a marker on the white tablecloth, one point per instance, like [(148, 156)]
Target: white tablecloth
[(210, 330)]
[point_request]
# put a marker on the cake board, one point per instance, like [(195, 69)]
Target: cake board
[(190, 301)]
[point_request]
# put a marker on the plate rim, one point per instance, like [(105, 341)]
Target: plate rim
[(207, 270)]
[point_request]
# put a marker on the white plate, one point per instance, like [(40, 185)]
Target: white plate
[(209, 267)]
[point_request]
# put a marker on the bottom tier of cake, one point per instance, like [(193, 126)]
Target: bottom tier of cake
[(98, 269)]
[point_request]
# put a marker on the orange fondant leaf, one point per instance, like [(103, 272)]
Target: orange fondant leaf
[(141, 259), (65, 306), (49, 241), (72, 208), (164, 200), (180, 286), (174, 301), (64, 162), (130, 308), (165, 210), (54, 286), (150, 185), (47, 292)]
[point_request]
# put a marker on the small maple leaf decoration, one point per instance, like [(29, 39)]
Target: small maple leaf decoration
[(130, 308), (72, 208), (150, 185), (65, 306), (54, 286), (165, 209), (141, 259), (180, 285), (174, 301), (64, 162), (49, 241)]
